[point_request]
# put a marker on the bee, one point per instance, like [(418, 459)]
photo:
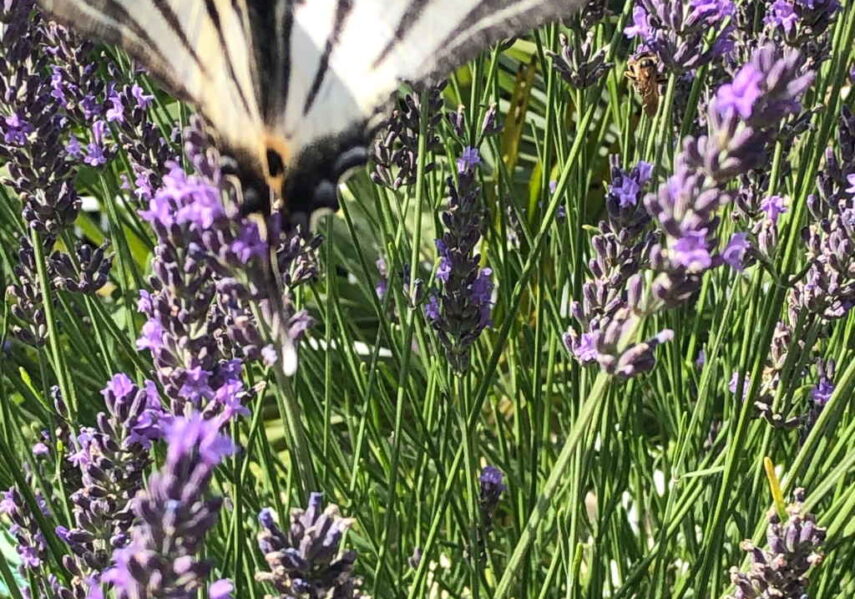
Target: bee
[(643, 71)]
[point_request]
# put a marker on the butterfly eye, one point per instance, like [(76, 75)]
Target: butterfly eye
[(275, 166)]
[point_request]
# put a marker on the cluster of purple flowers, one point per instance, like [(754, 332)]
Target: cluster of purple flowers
[(612, 298), (51, 125), (800, 22), (825, 291), (782, 569), (305, 561), (460, 309), (828, 288), (678, 32), (35, 120), (209, 265), (172, 517), (396, 150), (30, 542), (743, 117), (111, 460)]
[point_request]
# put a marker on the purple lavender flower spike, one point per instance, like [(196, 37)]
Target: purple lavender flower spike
[(29, 540), (90, 273), (782, 569), (743, 116), (112, 460), (395, 152), (828, 288), (305, 560), (28, 306), (49, 72), (210, 265), (577, 62), (677, 31), (492, 485), (611, 299), (460, 310), (173, 516)]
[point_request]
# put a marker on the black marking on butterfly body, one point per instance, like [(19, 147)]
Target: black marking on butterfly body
[(313, 181), (309, 185), (275, 165)]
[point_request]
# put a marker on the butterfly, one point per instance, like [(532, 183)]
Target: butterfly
[(293, 88)]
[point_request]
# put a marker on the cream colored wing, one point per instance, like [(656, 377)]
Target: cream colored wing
[(201, 50), (288, 84), (353, 54)]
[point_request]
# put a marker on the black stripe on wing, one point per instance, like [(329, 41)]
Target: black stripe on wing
[(174, 23), (214, 15), (285, 57), (455, 49), (342, 10), (262, 16), (408, 20)]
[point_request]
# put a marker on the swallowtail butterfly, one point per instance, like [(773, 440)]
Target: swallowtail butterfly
[(291, 87)]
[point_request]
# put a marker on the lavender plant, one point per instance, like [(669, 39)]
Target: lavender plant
[(112, 460), (460, 310), (207, 271), (624, 322)]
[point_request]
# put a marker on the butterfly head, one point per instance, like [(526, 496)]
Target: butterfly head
[(301, 184)]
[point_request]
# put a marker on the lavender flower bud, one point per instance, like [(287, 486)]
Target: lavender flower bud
[(395, 152), (578, 64), (491, 488), (87, 274), (460, 310), (782, 569), (174, 514), (305, 561)]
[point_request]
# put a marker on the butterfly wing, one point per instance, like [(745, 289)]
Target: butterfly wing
[(350, 57), (202, 51), (355, 53), (290, 83)]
